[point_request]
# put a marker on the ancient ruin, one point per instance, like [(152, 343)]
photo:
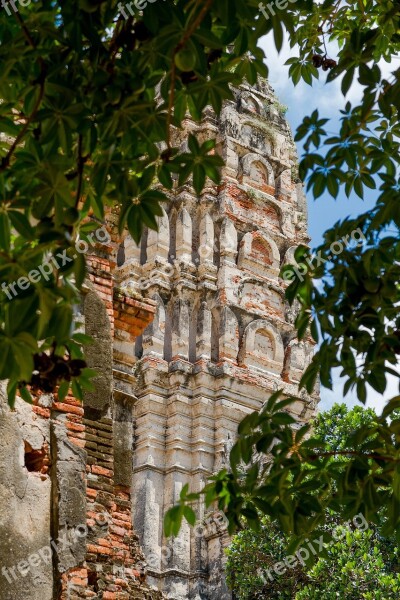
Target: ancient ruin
[(192, 331)]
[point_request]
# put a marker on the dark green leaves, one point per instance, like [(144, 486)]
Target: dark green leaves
[(201, 162), (141, 212)]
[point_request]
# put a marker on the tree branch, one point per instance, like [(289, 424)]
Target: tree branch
[(80, 165)]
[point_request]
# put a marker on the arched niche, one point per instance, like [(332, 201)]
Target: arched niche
[(257, 172), (262, 347), (259, 254), (251, 103)]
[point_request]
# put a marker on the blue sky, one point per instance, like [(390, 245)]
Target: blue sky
[(324, 212)]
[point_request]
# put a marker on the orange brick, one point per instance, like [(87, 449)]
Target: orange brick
[(75, 427), (102, 471), (104, 543), (63, 407), (77, 442), (98, 549)]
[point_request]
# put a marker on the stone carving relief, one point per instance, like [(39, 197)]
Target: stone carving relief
[(262, 347)]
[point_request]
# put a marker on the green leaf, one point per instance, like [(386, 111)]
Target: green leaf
[(347, 81), (20, 222), (26, 395), (4, 231), (189, 515), (63, 390), (392, 405)]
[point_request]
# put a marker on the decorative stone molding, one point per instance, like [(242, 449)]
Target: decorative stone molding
[(158, 241)]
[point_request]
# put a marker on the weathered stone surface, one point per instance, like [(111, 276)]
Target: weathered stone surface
[(224, 337), (65, 479), (25, 527)]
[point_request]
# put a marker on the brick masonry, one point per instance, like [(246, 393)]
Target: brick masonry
[(67, 454)]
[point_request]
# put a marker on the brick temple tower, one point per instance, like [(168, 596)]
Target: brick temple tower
[(223, 338)]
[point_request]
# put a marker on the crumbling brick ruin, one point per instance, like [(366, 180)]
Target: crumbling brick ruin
[(192, 331)]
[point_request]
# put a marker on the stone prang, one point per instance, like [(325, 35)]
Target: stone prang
[(223, 338)]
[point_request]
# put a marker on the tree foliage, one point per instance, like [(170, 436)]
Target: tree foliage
[(360, 565), (357, 564)]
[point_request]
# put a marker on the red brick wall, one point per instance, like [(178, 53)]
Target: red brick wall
[(112, 569)]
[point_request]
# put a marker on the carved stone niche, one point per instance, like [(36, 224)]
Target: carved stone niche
[(259, 254), (262, 347), (257, 172)]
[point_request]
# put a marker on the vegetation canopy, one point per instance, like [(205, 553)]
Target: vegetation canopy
[(355, 562)]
